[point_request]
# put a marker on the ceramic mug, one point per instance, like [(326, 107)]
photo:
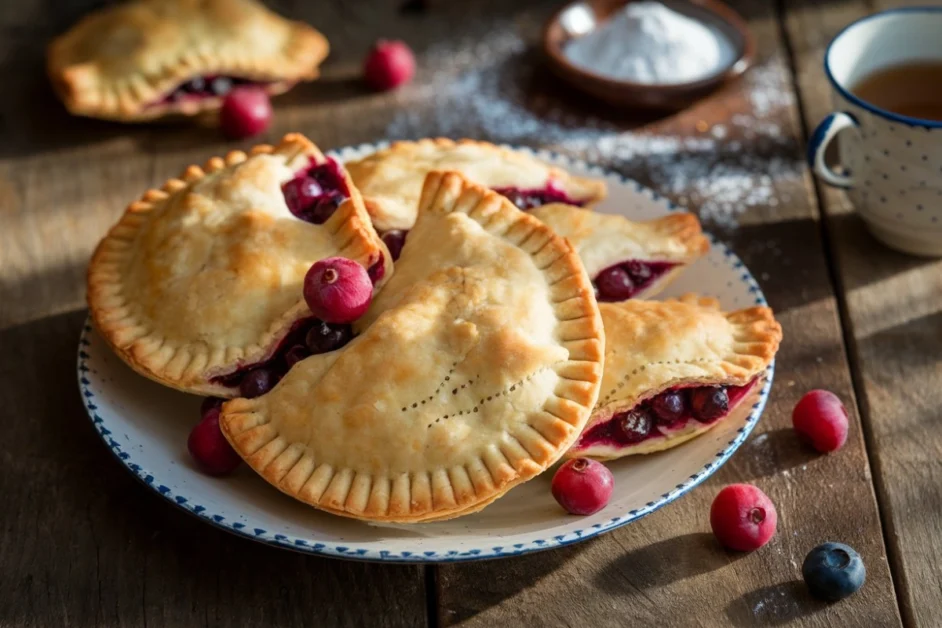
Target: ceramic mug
[(892, 164)]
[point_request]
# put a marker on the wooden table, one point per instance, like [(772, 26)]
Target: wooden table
[(83, 544)]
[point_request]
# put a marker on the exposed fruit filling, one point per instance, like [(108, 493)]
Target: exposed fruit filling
[(307, 337), (523, 198), (664, 414), (315, 193), (200, 87), (529, 198), (626, 279)]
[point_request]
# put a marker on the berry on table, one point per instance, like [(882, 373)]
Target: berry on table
[(821, 419), (210, 449), (389, 65), (338, 290), (833, 571), (743, 518), (246, 111), (583, 486)]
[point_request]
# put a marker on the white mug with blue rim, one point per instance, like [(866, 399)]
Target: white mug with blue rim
[(891, 165)]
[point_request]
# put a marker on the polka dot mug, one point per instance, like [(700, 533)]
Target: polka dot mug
[(891, 164)]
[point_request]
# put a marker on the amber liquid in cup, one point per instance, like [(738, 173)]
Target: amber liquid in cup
[(913, 89)]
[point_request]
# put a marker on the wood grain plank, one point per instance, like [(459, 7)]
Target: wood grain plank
[(85, 544), (894, 309), (742, 146)]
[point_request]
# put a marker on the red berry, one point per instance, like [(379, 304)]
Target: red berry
[(210, 404), (743, 517), (338, 290), (583, 486), (389, 65), (246, 111), (820, 418), (210, 449)]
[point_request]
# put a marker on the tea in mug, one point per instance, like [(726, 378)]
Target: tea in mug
[(912, 89)]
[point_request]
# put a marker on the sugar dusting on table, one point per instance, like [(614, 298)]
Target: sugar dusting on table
[(491, 88)]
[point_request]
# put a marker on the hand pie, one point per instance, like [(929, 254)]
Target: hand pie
[(200, 283), (673, 370), (627, 259), (391, 179), (474, 370), (147, 58)]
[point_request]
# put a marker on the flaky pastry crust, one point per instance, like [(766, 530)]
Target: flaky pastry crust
[(473, 371), (119, 62), (603, 240), (655, 345), (391, 179), (205, 275)]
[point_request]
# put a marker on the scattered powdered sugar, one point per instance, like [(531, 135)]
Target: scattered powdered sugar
[(496, 89)]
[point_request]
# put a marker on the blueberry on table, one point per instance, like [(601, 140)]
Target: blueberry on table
[(833, 571)]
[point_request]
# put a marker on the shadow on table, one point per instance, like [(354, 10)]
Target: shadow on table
[(691, 555), (774, 605), (769, 454), (94, 541)]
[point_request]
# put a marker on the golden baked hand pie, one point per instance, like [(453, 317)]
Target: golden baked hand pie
[(673, 370), (146, 58), (474, 370), (628, 259), (391, 179), (199, 285)]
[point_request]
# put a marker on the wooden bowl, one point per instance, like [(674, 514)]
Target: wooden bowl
[(721, 18)]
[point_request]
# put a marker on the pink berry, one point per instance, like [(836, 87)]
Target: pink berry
[(210, 449), (743, 518), (246, 111), (338, 290), (820, 418), (583, 486), (389, 65)]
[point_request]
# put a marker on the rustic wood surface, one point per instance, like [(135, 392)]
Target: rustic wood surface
[(892, 305), (83, 544)]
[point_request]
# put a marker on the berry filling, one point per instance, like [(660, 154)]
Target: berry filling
[(626, 279), (307, 337), (665, 413), (201, 87), (523, 198), (315, 193), (534, 197)]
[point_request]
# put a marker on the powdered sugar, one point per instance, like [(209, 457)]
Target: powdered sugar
[(498, 91), (647, 42)]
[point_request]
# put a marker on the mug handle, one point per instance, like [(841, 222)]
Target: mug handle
[(833, 124)]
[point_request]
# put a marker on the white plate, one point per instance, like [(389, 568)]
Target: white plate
[(146, 427)]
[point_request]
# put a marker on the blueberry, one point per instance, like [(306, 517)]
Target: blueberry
[(394, 240), (833, 571), (669, 407), (295, 354), (635, 425), (221, 85), (615, 284), (196, 85), (709, 402), (323, 337), (256, 382)]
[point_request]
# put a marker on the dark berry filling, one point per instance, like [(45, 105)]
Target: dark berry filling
[(529, 198), (200, 87), (395, 240), (626, 279), (669, 411), (307, 337), (315, 193)]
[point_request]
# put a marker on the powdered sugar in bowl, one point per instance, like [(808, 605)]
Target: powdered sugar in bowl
[(649, 54)]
